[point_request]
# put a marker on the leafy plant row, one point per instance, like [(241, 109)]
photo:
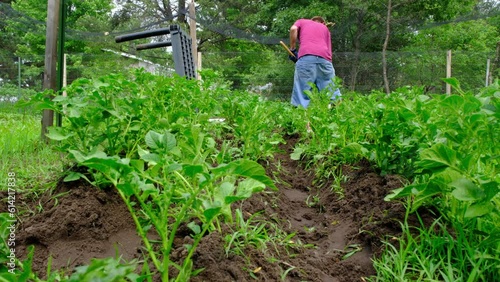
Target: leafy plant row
[(445, 145), (160, 141)]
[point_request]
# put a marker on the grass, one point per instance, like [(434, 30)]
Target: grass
[(266, 237), (440, 252), (258, 234), (36, 165)]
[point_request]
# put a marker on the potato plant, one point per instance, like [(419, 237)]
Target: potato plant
[(159, 151)]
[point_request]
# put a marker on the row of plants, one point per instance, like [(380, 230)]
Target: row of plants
[(446, 146), (179, 152), (182, 152)]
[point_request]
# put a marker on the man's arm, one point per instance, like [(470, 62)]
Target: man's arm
[(294, 31)]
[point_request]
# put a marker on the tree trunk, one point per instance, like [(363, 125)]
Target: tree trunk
[(384, 48), (357, 50), (182, 11), (355, 69), (495, 68)]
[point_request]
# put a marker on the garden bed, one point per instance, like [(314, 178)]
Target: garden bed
[(336, 237)]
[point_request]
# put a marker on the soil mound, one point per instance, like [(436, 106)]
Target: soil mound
[(83, 223)]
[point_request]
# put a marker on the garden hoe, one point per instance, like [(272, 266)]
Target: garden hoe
[(287, 49)]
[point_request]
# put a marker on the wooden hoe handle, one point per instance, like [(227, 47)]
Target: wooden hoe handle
[(287, 49)]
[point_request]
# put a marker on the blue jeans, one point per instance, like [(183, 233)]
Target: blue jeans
[(316, 70)]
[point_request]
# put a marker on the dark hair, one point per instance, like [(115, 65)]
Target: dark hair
[(318, 19)]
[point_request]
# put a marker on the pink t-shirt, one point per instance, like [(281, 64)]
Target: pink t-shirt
[(314, 39)]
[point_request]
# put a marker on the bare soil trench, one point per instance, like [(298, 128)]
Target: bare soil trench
[(88, 223)]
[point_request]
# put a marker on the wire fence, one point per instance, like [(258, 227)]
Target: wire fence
[(271, 74), (363, 72)]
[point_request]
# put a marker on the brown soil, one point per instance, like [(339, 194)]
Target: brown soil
[(86, 223)]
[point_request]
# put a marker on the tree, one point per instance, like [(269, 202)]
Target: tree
[(472, 43), (435, 9), (386, 43), (84, 24), (152, 13), (240, 38), (8, 41)]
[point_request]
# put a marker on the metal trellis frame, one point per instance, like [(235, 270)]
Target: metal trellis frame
[(180, 42)]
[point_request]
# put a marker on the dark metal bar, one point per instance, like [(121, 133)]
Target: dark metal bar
[(153, 45), (142, 34), (60, 52), (181, 47)]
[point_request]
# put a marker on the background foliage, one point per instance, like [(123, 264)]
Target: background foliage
[(240, 39)]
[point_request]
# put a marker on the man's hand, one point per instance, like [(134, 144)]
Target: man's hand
[(294, 58)]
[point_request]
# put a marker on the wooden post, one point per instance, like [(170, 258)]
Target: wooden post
[(448, 71), (192, 31), (487, 72), (19, 77), (199, 62), (49, 74), (65, 75)]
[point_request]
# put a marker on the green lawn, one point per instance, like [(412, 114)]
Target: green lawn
[(34, 163)]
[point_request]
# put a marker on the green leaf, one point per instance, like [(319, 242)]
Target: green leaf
[(194, 227), (104, 163), (151, 158), (80, 157), (421, 191), (169, 141), (112, 167), (245, 168), (248, 187), (27, 266), (7, 277), (137, 164), (245, 190), (353, 149), (141, 151), (432, 188), (192, 170), (72, 176), (154, 140), (437, 157), (147, 189), (407, 114), (446, 176), (351, 250), (452, 81), (466, 190), (211, 212), (126, 188), (490, 189), (222, 193), (405, 191), (57, 133), (174, 167), (454, 102), (478, 209), (60, 98), (223, 190), (297, 152)]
